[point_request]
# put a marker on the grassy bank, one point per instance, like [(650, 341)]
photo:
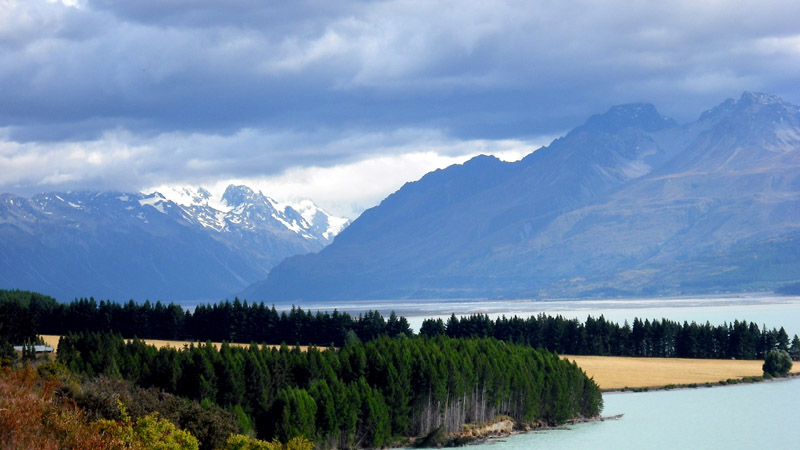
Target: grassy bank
[(52, 340), (612, 372)]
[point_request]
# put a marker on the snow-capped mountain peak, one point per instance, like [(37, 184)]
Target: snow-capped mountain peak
[(241, 209), (236, 195), (189, 196), (327, 225), (174, 242)]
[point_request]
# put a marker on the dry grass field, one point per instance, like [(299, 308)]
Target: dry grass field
[(612, 372), (52, 340)]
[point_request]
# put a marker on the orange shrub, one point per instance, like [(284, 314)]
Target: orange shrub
[(33, 417)]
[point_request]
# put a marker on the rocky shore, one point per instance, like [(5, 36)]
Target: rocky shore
[(502, 426)]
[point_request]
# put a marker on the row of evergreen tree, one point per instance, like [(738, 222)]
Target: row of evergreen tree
[(597, 336), (240, 321), (231, 321), (362, 395)]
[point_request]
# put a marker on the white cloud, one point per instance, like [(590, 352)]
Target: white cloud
[(34, 166), (70, 3), (364, 168), (350, 97), (348, 189)]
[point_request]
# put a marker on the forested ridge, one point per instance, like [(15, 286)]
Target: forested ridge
[(378, 386), (365, 381), (231, 321), (362, 395)]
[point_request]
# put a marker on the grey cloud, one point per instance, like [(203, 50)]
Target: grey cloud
[(122, 160), (275, 16), (310, 64), (153, 70)]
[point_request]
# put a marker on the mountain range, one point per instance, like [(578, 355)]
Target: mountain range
[(177, 244), (629, 203)]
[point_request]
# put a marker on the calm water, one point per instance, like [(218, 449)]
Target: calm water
[(772, 311), (764, 309), (754, 416)]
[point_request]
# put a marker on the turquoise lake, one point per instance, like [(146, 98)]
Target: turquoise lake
[(770, 310), (753, 416), (764, 309)]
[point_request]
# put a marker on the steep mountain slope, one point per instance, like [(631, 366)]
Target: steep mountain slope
[(132, 245), (628, 203)]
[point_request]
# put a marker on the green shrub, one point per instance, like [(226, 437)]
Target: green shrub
[(242, 442), (778, 363), (150, 432)]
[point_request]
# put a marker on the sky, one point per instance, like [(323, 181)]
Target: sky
[(344, 101)]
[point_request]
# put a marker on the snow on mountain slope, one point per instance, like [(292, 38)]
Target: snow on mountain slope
[(326, 225), (190, 196), (239, 207), (171, 244)]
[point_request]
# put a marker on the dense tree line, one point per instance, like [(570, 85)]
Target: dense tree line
[(28, 313), (236, 321), (17, 324), (597, 336), (363, 395)]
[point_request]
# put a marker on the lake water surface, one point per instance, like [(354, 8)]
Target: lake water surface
[(753, 416), (764, 309)]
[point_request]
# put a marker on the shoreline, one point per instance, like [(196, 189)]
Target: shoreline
[(408, 309), (688, 386), (718, 308), (519, 429), (459, 439)]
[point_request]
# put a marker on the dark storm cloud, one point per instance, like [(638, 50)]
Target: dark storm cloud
[(303, 75), (260, 14)]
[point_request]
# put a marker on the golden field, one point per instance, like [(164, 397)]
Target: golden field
[(610, 372), (616, 372), (52, 341)]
